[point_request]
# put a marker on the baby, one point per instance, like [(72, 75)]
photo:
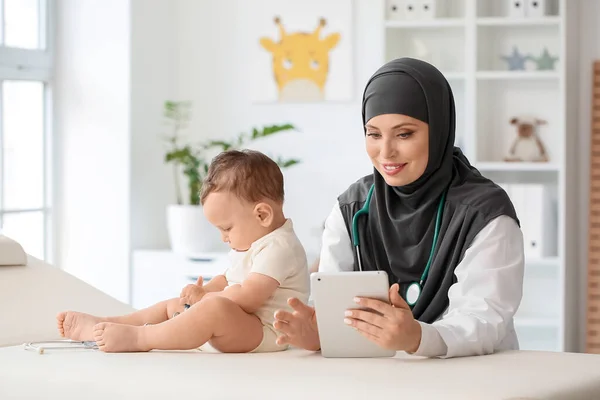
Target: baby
[(243, 197)]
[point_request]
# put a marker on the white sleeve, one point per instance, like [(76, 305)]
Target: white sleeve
[(273, 260), (336, 247), (485, 297)]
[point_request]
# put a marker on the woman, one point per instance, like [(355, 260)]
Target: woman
[(433, 219)]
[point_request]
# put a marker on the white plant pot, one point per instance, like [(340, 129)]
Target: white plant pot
[(190, 233)]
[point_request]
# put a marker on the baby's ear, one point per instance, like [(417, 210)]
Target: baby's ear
[(264, 214)]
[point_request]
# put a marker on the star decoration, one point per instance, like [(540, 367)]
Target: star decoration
[(546, 61), (516, 61)]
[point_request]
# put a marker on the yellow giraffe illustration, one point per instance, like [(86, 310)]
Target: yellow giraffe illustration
[(301, 62)]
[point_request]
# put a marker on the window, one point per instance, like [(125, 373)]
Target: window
[(25, 115)]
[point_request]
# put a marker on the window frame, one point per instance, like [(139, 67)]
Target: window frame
[(33, 65)]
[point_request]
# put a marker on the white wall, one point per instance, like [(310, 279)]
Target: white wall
[(153, 48), (212, 70), (92, 142)]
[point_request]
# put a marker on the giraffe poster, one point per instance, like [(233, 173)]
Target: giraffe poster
[(303, 51)]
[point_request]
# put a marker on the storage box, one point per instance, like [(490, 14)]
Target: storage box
[(536, 8), (410, 9), (394, 10), (516, 8), (429, 9)]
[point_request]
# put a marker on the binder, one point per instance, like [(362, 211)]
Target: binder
[(535, 205)]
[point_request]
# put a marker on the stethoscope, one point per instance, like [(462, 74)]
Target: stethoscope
[(413, 292), (41, 347)]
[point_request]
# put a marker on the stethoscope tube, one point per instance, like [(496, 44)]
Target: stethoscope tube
[(413, 291), (363, 211), (41, 347)]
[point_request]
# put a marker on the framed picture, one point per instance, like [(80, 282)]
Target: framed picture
[(302, 52)]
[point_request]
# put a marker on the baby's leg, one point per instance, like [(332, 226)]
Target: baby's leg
[(229, 329), (155, 314), (79, 326)]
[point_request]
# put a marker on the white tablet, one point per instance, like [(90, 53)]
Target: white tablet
[(333, 293)]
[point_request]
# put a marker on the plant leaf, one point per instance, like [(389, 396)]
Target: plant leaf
[(287, 163), (220, 143)]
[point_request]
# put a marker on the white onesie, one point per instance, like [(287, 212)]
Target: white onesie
[(281, 256)]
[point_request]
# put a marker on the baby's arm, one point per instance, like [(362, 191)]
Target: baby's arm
[(252, 293), (194, 292), (269, 269), (216, 284)]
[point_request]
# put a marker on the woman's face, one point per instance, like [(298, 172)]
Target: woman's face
[(398, 146)]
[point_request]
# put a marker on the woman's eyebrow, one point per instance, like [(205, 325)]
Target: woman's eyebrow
[(393, 127), (403, 125)]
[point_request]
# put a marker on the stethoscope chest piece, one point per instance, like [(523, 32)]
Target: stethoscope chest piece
[(412, 293)]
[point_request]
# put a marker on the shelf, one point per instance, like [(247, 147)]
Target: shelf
[(426, 23), (475, 44), (544, 262), (503, 21), (516, 166), (523, 75)]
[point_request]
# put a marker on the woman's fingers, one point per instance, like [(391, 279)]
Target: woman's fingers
[(283, 327), (365, 327), (369, 336), (395, 298), (301, 308), (377, 305), (367, 316), (285, 316), (282, 339), (288, 323)]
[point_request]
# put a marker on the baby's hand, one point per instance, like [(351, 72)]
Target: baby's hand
[(192, 293)]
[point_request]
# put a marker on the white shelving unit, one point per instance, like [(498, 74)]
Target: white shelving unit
[(466, 41)]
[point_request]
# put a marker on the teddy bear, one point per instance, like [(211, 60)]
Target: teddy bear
[(527, 146)]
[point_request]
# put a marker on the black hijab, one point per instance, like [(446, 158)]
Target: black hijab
[(397, 235)]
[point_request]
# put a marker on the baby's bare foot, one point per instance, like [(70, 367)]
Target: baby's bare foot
[(76, 325), (118, 338)]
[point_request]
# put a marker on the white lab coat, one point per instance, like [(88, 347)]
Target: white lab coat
[(483, 301)]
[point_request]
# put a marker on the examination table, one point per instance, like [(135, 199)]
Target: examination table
[(33, 292)]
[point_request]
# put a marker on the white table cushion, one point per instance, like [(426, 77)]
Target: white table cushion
[(11, 252), (294, 374), (32, 295)]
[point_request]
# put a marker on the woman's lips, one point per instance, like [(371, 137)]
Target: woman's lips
[(393, 169)]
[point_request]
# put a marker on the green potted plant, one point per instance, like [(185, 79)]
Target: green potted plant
[(189, 232)]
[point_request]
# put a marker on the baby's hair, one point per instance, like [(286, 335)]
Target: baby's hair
[(248, 174)]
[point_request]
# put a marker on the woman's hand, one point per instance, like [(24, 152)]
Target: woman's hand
[(394, 329), (298, 328), (192, 293)]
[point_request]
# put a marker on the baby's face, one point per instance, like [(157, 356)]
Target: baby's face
[(235, 219)]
